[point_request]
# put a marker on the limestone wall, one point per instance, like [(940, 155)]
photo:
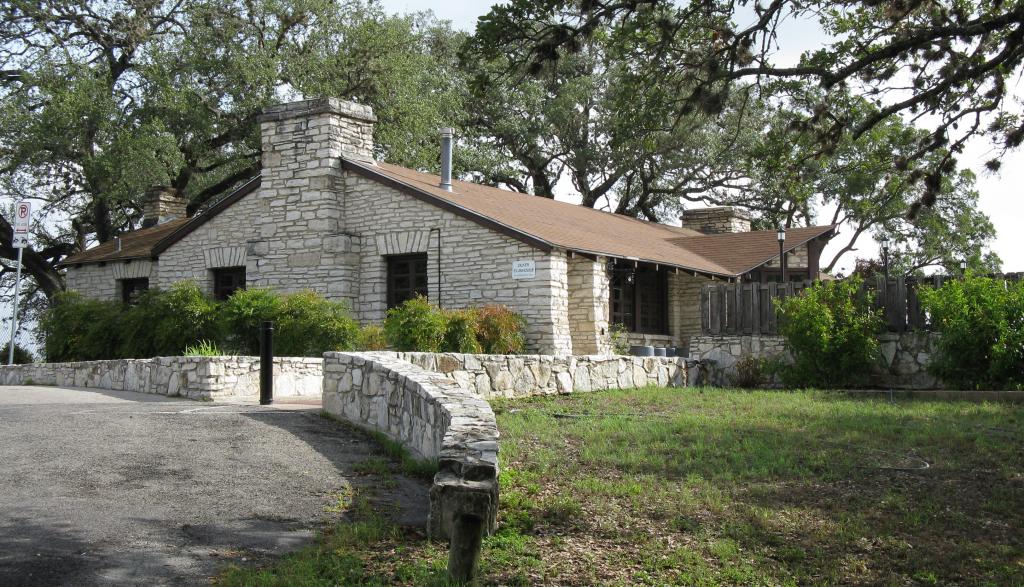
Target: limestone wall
[(190, 377), (475, 262), (432, 416), (720, 353), (496, 376), (93, 281), (905, 360), (684, 306), (903, 366), (589, 308)]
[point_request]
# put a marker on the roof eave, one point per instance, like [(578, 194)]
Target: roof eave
[(830, 229), (68, 262), (694, 270)]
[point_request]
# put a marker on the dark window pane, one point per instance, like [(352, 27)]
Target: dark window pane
[(227, 281), (131, 289), (639, 299), (407, 278)]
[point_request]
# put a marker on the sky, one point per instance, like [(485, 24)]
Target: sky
[(1000, 198)]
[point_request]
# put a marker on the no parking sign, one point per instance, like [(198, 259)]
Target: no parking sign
[(22, 221)]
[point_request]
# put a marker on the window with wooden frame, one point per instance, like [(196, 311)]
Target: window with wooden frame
[(227, 280), (131, 289), (639, 299), (407, 277)]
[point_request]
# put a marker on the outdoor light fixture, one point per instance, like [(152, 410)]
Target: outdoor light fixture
[(782, 256), (963, 267), (885, 256)]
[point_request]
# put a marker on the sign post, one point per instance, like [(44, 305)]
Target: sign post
[(22, 221)]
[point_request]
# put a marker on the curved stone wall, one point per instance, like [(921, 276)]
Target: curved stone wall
[(431, 415)]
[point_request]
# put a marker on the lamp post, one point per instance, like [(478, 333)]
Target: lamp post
[(963, 267), (782, 256), (885, 257)]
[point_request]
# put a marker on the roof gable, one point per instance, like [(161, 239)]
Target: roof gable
[(149, 242)]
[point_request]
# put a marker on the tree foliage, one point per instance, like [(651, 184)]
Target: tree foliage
[(956, 58), (100, 100)]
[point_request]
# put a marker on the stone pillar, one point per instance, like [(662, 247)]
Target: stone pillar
[(299, 218), (589, 289), (684, 306)]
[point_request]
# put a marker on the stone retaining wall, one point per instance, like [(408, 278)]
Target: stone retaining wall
[(904, 357), (191, 377), (431, 415), (496, 376)]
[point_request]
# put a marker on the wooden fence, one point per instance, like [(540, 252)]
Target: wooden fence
[(749, 308)]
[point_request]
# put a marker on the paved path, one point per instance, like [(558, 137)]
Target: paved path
[(103, 487)]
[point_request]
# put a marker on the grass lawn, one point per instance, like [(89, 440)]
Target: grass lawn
[(722, 487)]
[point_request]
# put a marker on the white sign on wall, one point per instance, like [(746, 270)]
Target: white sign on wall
[(22, 222), (523, 270)]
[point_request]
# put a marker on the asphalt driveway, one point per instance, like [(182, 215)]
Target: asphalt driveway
[(101, 487)]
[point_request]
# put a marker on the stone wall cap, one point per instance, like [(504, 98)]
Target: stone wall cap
[(306, 108)]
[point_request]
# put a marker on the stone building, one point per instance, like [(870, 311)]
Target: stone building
[(324, 215)]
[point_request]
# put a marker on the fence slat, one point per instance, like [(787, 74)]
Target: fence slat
[(716, 310), (705, 309), (755, 308), (751, 308)]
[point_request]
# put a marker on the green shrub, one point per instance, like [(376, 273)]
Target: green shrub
[(139, 325), (241, 316), (79, 329), (203, 348), (22, 355), (618, 335), (184, 319), (371, 338), (460, 332), (415, 326), (831, 332), (164, 323), (307, 325), (500, 330), (981, 323)]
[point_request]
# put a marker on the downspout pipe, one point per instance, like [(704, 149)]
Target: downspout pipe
[(446, 158)]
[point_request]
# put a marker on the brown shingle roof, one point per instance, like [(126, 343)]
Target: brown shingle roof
[(547, 221), (150, 242), (540, 222), (740, 252), (137, 244)]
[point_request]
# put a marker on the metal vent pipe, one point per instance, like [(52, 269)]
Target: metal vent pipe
[(446, 158)]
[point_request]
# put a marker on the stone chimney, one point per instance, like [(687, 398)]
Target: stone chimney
[(316, 130), (162, 204), (298, 210), (716, 220)]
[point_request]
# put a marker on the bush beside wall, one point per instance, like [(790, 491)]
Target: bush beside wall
[(418, 326), (981, 323), (831, 333), (167, 323)]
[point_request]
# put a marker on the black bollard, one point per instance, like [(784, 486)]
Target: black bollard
[(266, 363)]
